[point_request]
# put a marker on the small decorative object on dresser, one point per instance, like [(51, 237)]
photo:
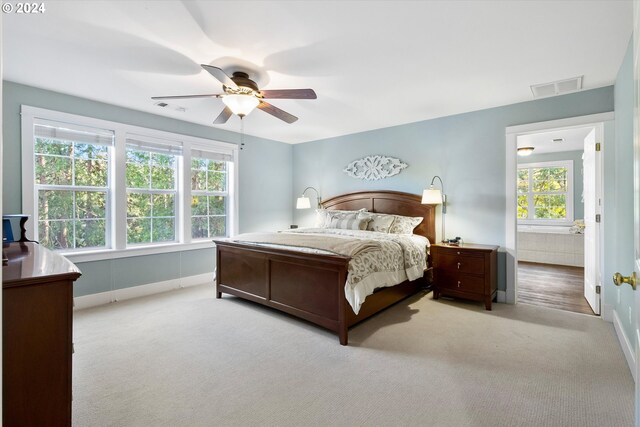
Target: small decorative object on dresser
[(467, 271)]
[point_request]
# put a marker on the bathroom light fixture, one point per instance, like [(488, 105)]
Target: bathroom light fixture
[(303, 201), (433, 196), (525, 151), (241, 105)]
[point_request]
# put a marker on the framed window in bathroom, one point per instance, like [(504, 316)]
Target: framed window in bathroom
[(545, 192)]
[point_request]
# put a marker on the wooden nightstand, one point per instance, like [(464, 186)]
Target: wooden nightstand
[(467, 271)]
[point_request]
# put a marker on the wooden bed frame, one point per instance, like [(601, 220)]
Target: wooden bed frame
[(311, 286)]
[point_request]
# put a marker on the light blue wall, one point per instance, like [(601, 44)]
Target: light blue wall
[(618, 200), (265, 193), (466, 150), (578, 183)]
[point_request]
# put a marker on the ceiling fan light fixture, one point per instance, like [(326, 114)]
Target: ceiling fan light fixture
[(241, 105), (525, 151)]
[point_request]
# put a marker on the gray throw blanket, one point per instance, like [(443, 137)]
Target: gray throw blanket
[(340, 245)]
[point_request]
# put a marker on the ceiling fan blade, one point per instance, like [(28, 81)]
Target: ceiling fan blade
[(209, 95), (223, 116), (276, 112), (220, 75), (289, 94)]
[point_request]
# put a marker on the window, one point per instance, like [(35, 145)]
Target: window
[(209, 194), (545, 192), (71, 185), (151, 177), (100, 188)]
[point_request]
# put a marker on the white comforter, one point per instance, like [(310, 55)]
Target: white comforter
[(401, 257)]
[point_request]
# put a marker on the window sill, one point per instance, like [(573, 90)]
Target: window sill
[(543, 222), (103, 254)]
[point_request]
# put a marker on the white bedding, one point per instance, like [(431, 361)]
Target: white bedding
[(401, 257)]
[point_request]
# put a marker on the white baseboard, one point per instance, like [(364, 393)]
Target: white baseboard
[(103, 298), (627, 348), (607, 312), (501, 296), (198, 279), (93, 300)]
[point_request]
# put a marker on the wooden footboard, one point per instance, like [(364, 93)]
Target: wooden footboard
[(309, 286)]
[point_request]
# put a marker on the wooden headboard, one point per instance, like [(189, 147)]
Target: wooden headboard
[(389, 202)]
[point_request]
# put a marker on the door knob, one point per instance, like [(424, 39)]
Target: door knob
[(619, 279)]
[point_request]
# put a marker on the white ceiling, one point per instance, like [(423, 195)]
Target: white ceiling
[(372, 64), (543, 142)]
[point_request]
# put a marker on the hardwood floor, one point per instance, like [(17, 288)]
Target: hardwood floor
[(555, 286)]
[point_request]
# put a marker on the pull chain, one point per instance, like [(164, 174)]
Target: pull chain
[(241, 133)]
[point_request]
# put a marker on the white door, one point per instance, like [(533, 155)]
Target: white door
[(591, 229), (636, 188)]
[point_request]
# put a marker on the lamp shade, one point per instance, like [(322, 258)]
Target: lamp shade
[(431, 196), (241, 105), (303, 203)]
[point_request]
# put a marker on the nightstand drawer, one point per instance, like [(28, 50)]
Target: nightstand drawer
[(467, 271), (460, 282), (464, 264), (459, 250)]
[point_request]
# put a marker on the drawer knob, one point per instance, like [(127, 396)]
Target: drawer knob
[(458, 283), (459, 266), (458, 252)]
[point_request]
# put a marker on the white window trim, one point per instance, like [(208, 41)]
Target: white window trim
[(226, 193), (568, 164), (118, 231), (178, 218)]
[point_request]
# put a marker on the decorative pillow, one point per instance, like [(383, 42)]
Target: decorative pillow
[(404, 224), (349, 222), (324, 216), (380, 222)]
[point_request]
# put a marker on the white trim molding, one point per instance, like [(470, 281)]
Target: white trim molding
[(123, 294), (116, 218), (607, 312), (569, 217), (511, 165), (98, 255), (627, 348)]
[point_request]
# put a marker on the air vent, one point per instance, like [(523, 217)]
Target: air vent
[(558, 140), (557, 88), (162, 104)]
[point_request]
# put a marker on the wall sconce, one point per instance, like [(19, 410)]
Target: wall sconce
[(303, 201), (433, 196)]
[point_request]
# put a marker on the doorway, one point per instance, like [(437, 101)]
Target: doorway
[(557, 175), (557, 247)]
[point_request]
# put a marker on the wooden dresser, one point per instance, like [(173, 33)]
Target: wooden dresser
[(467, 271), (37, 313)]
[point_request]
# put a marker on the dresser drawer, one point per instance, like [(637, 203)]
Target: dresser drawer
[(464, 264), (460, 282)]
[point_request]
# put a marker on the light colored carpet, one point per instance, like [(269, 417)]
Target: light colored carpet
[(184, 358)]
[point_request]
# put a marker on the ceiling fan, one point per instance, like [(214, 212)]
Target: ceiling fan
[(241, 95)]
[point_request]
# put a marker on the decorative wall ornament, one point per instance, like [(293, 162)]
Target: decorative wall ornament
[(373, 168)]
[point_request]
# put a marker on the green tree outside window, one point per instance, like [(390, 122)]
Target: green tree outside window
[(209, 198), (542, 193), (71, 181)]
